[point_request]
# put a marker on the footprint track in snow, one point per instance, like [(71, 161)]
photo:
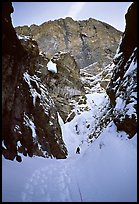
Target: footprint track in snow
[(49, 186)]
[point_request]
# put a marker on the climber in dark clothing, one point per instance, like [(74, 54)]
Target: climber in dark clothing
[(78, 150)]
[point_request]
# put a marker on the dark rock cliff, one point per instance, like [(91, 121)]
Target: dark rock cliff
[(122, 89), (29, 116)]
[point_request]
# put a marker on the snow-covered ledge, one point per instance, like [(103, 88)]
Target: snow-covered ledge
[(52, 67)]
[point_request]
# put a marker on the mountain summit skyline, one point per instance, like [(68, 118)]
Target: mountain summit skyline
[(38, 12)]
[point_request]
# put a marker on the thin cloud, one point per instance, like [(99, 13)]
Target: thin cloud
[(75, 9)]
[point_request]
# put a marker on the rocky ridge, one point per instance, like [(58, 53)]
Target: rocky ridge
[(89, 41)]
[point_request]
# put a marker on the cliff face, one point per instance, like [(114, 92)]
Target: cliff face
[(30, 121), (89, 41), (122, 89), (65, 85), (119, 79)]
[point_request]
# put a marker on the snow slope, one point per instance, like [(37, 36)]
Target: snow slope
[(105, 170), (76, 132)]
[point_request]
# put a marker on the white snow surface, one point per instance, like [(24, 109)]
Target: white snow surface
[(28, 122), (76, 132), (33, 91), (133, 65), (104, 171), (24, 37), (52, 67)]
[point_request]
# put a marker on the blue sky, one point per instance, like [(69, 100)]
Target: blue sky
[(27, 13)]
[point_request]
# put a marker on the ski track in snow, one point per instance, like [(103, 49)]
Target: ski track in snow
[(43, 186)]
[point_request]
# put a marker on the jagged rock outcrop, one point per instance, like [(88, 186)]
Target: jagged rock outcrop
[(30, 120), (89, 41), (65, 85), (122, 89)]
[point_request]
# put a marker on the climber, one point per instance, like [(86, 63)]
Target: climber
[(78, 150)]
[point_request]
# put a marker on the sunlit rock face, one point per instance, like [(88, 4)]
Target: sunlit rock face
[(122, 89), (89, 41), (30, 120), (92, 44)]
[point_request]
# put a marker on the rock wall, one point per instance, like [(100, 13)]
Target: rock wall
[(29, 116), (89, 41), (122, 89), (65, 85)]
